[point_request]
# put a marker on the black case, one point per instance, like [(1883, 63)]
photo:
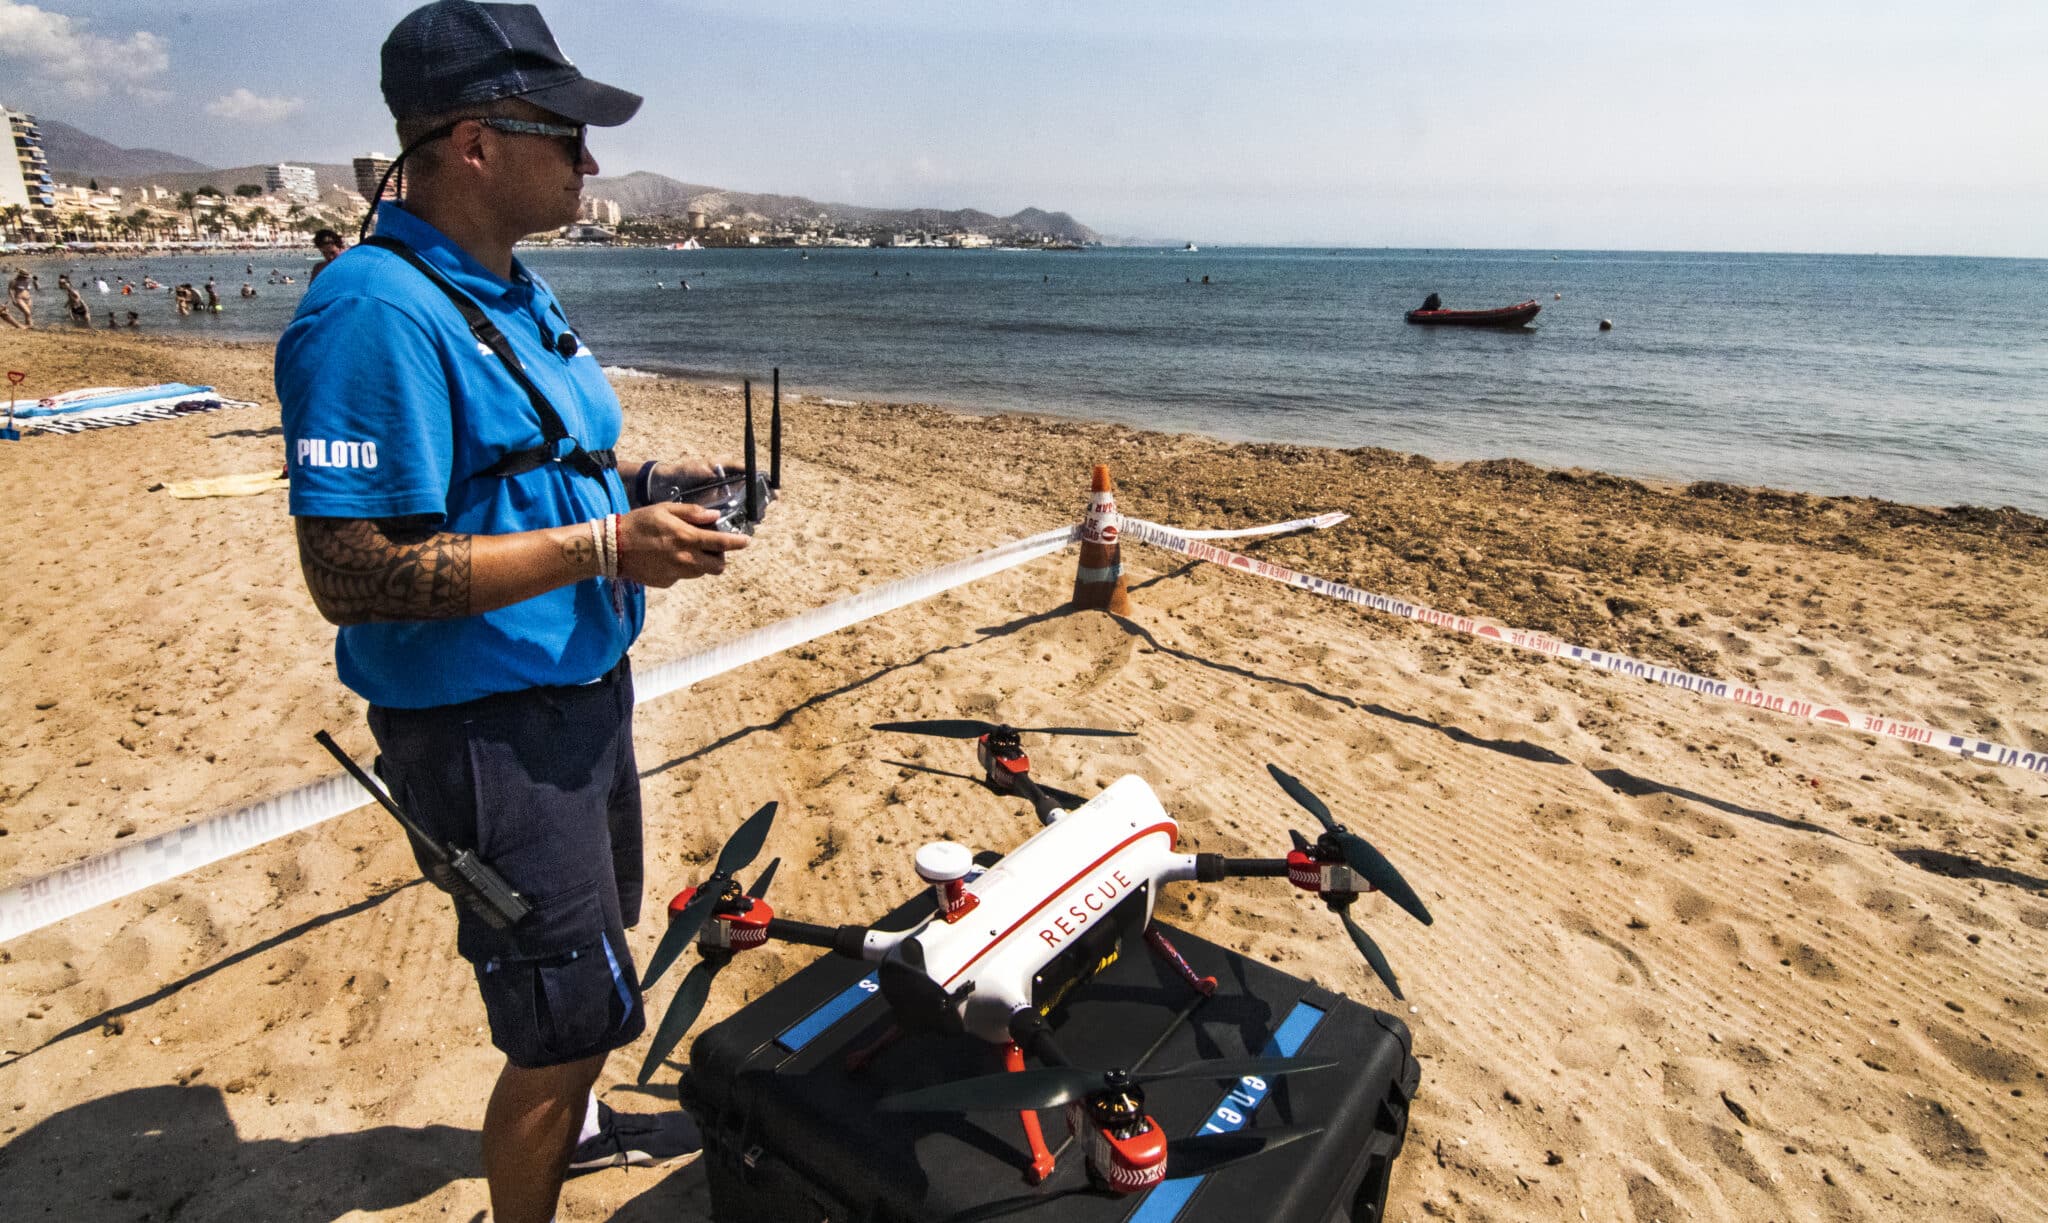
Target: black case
[(791, 1135)]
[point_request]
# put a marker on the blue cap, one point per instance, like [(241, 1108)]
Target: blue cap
[(456, 53)]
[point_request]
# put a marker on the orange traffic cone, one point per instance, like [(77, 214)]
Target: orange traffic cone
[(1099, 582)]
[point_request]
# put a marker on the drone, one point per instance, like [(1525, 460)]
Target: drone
[(1003, 945)]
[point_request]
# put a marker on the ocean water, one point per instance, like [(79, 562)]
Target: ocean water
[(1917, 379)]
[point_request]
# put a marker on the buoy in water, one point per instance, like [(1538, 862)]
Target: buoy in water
[(1557, 297), (1607, 324)]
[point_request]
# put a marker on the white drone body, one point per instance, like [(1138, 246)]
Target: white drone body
[(995, 933)]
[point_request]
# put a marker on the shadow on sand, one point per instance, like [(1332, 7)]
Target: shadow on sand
[(158, 1153), (1638, 787), (94, 1022), (1956, 866)]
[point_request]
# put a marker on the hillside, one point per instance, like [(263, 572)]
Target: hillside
[(77, 156), (80, 155), (645, 194)]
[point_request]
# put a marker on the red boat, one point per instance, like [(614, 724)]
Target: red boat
[(1505, 316)]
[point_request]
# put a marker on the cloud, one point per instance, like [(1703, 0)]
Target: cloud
[(80, 64), (246, 107)]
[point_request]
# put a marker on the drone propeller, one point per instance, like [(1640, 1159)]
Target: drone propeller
[(1359, 854), (971, 728), (760, 887), (1052, 1086), (740, 851), (1371, 951), (1201, 1154), (1197, 1155), (683, 1009), (688, 1003)]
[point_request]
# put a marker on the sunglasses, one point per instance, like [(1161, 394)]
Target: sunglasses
[(572, 137)]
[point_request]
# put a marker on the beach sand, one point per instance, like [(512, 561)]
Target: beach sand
[(1690, 960)]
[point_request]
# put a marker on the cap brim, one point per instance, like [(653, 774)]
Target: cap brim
[(586, 101)]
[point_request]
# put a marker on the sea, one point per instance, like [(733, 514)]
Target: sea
[(1916, 379)]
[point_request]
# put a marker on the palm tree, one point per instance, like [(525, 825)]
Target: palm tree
[(188, 203), (14, 213), (259, 218), (141, 221)]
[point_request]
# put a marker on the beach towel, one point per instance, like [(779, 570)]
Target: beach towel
[(103, 407), (243, 484)]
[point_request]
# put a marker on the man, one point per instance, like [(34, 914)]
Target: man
[(330, 246), (487, 583)]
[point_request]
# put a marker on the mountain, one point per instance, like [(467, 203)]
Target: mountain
[(78, 155), (644, 194)]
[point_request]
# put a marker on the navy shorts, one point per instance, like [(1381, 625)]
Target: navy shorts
[(542, 785)]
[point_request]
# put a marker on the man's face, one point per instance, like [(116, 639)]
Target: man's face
[(329, 247), (542, 175)]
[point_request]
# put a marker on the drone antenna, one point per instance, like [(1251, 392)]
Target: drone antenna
[(775, 435), (753, 494)]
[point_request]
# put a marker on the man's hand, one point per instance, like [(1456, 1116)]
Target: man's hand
[(697, 467), (660, 545)]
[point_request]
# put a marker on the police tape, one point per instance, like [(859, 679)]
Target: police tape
[(1321, 522), (1968, 747), (35, 903), (774, 638)]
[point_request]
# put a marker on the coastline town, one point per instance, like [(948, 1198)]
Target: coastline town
[(291, 203)]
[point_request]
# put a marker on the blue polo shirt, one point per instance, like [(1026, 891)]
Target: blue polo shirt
[(392, 409)]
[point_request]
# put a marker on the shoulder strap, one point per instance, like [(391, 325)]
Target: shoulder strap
[(552, 431)]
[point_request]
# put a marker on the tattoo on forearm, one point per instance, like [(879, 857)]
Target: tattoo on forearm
[(360, 571), (579, 552)]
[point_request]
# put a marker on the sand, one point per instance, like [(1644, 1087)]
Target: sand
[(1690, 960)]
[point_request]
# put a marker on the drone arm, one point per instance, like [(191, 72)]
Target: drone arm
[(848, 941), (1214, 868), (1041, 802), (1032, 1034)]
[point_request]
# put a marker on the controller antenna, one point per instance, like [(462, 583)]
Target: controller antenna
[(775, 435), (755, 510)]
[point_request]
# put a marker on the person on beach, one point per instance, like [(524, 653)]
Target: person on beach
[(75, 302), (24, 301), (330, 246), (488, 582)]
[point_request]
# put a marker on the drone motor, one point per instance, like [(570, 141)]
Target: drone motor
[(1125, 1149)]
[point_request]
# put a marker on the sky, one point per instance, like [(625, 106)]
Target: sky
[(1795, 125)]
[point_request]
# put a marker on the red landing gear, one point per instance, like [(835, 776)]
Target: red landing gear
[(1205, 986)]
